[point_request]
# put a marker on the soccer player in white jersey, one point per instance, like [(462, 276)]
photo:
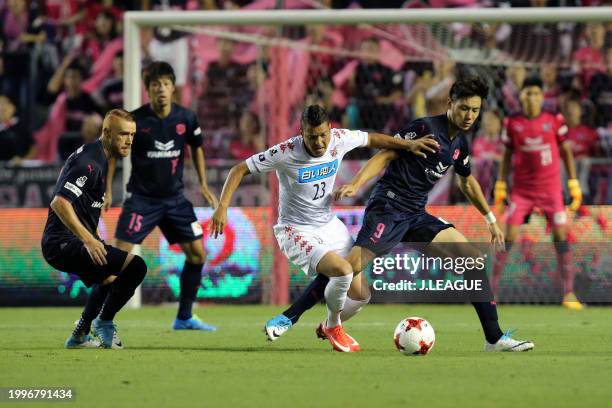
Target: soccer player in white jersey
[(308, 232)]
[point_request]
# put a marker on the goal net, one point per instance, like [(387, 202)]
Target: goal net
[(248, 75)]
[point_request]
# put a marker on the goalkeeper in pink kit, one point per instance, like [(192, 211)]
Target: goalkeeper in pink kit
[(535, 140)]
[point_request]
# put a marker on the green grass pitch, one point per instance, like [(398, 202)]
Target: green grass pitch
[(570, 366)]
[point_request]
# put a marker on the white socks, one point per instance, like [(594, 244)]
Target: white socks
[(352, 307), (335, 297)]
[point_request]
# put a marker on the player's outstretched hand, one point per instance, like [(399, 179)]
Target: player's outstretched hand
[(497, 236), (96, 251), (219, 219), (423, 146), (108, 201), (209, 196), (347, 190)]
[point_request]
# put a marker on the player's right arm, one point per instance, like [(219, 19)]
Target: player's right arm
[(62, 207), (373, 167), (219, 218)]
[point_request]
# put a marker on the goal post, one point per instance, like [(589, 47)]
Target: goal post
[(135, 20)]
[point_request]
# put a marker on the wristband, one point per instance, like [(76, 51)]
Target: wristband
[(490, 218)]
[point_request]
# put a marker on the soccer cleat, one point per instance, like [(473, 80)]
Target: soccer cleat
[(570, 301), (339, 340), (193, 323), (106, 332), (277, 326), (80, 342), (507, 343)]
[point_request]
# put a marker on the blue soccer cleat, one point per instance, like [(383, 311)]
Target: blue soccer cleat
[(80, 342), (193, 323), (277, 326), (106, 332), (507, 343)]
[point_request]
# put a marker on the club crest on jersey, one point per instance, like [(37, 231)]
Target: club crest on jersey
[(546, 127), (180, 129), (318, 172), (456, 154), (81, 181), (262, 157), (334, 152)]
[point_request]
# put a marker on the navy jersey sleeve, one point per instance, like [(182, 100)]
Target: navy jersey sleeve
[(76, 176), (415, 130), (462, 162), (194, 135)]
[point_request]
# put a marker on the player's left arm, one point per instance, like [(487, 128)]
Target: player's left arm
[(420, 147), (573, 185), (197, 153), (470, 187)]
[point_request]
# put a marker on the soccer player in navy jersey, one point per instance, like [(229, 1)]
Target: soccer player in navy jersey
[(396, 210), (155, 189), (71, 243)]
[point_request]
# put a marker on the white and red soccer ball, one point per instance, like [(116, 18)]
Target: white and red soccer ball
[(414, 335)]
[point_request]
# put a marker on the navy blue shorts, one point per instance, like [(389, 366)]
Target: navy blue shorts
[(69, 255), (385, 226), (174, 216)]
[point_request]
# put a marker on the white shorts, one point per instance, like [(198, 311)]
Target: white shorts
[(305, 246), (175, 53)]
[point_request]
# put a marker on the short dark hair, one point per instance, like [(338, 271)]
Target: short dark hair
[(76, 66), (156, 70), (533, 81), (467, 87), (314, 115)]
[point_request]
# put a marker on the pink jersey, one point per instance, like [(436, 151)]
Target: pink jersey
[(535, 144)]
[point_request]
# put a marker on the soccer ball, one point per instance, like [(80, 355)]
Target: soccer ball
[(414, 335)]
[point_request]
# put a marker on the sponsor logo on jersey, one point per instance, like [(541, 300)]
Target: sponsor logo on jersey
[(456, 154), (180, 129), (273, 152), (164, 146), (81, 181), (466, 161), (197, 132), (318, 172), (441, 168), (530, 141), (438, 173), (410, 135), (72, 188), (262, 157), (163, 150), (97, 204)]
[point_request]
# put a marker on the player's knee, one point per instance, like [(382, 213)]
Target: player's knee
[(136, 270), (561, 247), (342, 269), (197, 256)]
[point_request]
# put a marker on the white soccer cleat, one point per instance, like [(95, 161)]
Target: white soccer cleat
[(277, 326), (507, 343)]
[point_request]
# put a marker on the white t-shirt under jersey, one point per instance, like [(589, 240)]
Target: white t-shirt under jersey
[(306, 182)]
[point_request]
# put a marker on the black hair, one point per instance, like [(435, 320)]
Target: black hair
[(467, 87), (156, 70), (533, 81), (76, 66), (313, 116)]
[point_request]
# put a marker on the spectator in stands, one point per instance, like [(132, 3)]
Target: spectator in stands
[(515, 75), (61, 134), (20, 26), (224, 94), (104, 31), (416, 86), (250, 139), (600, 91), (110, 95), (436, 96), (583, 139), (548, 73), (15, 142), (589, 59), (487, 150), (372, 86)]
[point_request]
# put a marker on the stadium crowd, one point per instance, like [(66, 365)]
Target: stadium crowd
[(61, 68)]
